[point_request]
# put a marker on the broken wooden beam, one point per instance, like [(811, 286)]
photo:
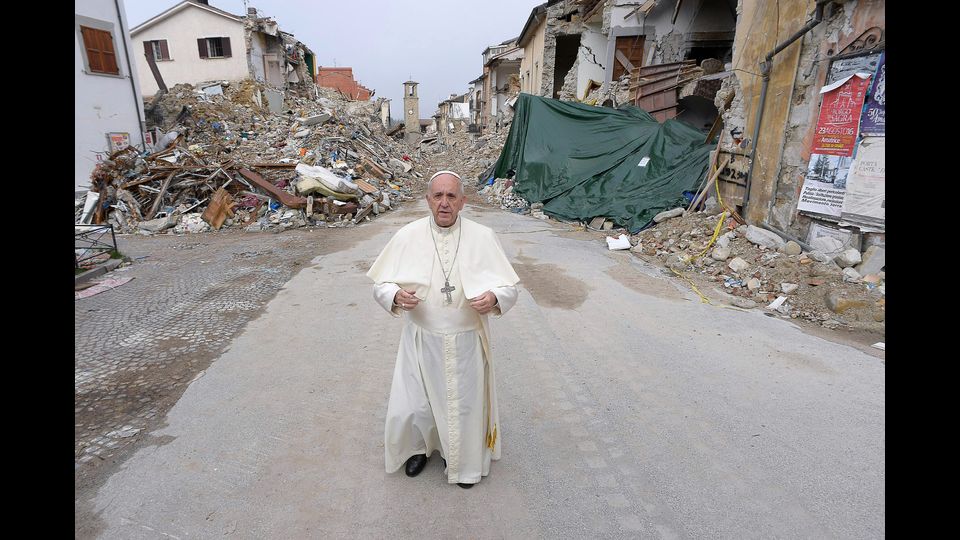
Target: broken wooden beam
[(275, 165), (220, 208), (286, 199), (159, 199)]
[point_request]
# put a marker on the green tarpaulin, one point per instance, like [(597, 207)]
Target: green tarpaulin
[(583, 161)]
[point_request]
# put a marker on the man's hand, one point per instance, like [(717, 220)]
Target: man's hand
[(405, 299), (484, 303)]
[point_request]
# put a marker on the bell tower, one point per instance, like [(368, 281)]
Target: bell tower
[(411, 112)]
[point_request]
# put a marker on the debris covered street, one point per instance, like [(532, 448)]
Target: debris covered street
[(620, 418)]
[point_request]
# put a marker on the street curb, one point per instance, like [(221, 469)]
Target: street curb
[(108, 266)]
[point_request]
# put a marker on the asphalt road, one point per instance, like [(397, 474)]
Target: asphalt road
[(628, 409)]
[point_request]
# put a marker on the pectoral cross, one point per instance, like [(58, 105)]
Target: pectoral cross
[(447, 289)]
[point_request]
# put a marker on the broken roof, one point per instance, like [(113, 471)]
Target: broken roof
[(180, 7), (537, 13)]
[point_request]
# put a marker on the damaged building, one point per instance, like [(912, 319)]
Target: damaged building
[(194, 42), (341, 79), (453, 114), (499, 82), (753, 73), (789, 170)]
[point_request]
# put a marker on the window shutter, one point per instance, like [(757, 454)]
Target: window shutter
[(226, 47), (147, 48), (109, 58), (164, 50), (93, 51), (202, 45)]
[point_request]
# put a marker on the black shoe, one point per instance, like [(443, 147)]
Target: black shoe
[(416, 464), (464, 486)]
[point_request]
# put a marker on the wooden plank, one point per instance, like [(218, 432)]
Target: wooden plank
[(275, 165), (703, 193), (286, 199), (142, 180), (157, 201), (220, 208), (624, 61), (714, 128), (365, 186)]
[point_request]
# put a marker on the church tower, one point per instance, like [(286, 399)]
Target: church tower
[(411, 112)]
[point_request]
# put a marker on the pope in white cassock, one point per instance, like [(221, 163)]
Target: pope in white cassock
[(447, 273)]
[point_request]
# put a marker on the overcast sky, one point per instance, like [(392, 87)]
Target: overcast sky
[(436, 42)]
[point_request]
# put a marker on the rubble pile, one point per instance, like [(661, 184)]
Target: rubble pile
[(753, 267), (617, 92), (471, 156), (224, 159), (500, 192)]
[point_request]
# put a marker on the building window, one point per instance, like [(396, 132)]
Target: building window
[(217, 47), (157, 49), (98, 44)]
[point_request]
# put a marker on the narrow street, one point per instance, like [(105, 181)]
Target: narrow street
[(629, 408)]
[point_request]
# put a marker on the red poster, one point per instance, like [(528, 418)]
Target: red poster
[(840, 116)]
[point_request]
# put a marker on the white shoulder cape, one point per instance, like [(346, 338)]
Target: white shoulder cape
[(409, 256)]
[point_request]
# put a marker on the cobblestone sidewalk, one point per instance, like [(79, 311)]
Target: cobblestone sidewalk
[(139, 346)]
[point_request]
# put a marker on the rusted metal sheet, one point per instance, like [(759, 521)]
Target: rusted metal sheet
[(286, 199), (655, 87)]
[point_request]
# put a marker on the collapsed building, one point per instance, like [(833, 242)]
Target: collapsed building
[(195, 43), (790, 98)]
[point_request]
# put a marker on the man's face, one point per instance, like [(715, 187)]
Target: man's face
[(445, 199)]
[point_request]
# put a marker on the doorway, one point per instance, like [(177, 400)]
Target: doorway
[(567, 48)]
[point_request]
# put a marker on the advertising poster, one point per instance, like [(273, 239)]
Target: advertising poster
[(118, 141), (839, 121), (865, 200), (874, 119), (825, 184)]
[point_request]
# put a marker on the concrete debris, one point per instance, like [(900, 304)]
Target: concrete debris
[(665, 215), (788, 288), (827, 245), (738, 265), (849, 257), (160, 224), (314, 120), (820, 256), (744, 303), (218, 137), (741, 259), (838, 303), (720, 253), (851, 275), (872, 261), (764, 238)]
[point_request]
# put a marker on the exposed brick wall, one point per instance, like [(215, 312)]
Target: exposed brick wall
[(341, 78)]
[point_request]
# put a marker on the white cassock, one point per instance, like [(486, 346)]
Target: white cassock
[(443, 395)]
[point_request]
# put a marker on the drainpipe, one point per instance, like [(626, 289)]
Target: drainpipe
[(133, 87), (765, 68)]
